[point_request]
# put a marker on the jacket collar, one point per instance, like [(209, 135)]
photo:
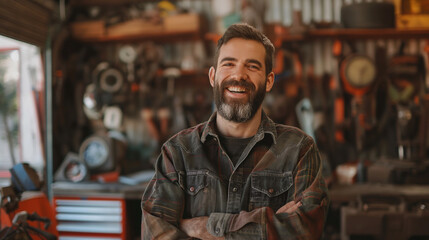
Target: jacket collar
[(267, 126)]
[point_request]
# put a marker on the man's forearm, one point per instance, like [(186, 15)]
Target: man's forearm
[(154, 227), (197, 228)]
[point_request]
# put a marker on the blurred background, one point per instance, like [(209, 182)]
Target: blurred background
[(90, 90)]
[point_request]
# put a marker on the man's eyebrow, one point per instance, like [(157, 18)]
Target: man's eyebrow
[(254, 61), (225, 59)]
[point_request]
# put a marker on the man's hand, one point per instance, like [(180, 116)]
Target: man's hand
[(289, 207), (196, 227)]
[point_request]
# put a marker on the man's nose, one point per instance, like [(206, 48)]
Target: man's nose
[(240, 72)]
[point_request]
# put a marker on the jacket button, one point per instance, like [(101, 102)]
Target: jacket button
[(191, 189), (234, 189), (270, 190)]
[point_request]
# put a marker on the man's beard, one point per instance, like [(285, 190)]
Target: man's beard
[(236, 110)]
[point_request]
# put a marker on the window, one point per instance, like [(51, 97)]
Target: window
[(21, 105)]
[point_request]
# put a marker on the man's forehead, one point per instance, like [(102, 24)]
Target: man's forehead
[(242, 42), (243, 49)]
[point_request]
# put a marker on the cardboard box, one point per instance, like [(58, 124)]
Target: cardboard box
[(411, 14), (88, 29), (182, 22)]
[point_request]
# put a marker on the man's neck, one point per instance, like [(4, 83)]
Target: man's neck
[(239, 130)]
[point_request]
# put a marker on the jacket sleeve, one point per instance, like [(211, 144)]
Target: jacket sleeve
[(162, 202), (262, 223)]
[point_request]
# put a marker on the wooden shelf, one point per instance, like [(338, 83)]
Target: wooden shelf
[(162, 36), (172, 28), (108, 2), (353, 34), (369, 33)]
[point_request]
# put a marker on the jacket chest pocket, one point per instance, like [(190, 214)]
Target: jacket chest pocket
[(200, 196), (269, 189)]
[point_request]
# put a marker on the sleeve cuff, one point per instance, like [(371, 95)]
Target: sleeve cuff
[(217, 223)]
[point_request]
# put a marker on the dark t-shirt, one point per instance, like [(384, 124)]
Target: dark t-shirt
[(234, 147)]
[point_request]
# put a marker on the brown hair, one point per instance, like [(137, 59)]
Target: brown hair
[(245, 31)]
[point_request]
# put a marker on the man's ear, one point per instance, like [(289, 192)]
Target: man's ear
[(270, 81), (212, 75)]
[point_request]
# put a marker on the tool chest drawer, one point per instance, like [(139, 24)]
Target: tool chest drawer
[(90, 218)]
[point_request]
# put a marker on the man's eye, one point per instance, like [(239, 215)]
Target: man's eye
[(253, 67), (228, 64)]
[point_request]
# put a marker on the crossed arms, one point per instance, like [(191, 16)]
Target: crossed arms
[(196, 227)]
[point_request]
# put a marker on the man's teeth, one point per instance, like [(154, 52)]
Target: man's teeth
[(236, 89)]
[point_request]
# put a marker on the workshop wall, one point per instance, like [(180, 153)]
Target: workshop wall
[(312, 68), (124, 82)]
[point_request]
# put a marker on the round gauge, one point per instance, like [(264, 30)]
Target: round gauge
[(127, 54), (95, 152), (75, 171), (359, 71), (111, 80)]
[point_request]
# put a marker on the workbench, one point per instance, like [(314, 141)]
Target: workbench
[(380, 211)]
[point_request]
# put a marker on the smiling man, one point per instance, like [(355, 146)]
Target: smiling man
[(239, 175)]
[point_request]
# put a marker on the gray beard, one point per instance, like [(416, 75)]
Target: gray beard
[(236, 112)]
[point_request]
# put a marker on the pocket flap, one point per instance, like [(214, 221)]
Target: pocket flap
[(196, 181), (271, 183)]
